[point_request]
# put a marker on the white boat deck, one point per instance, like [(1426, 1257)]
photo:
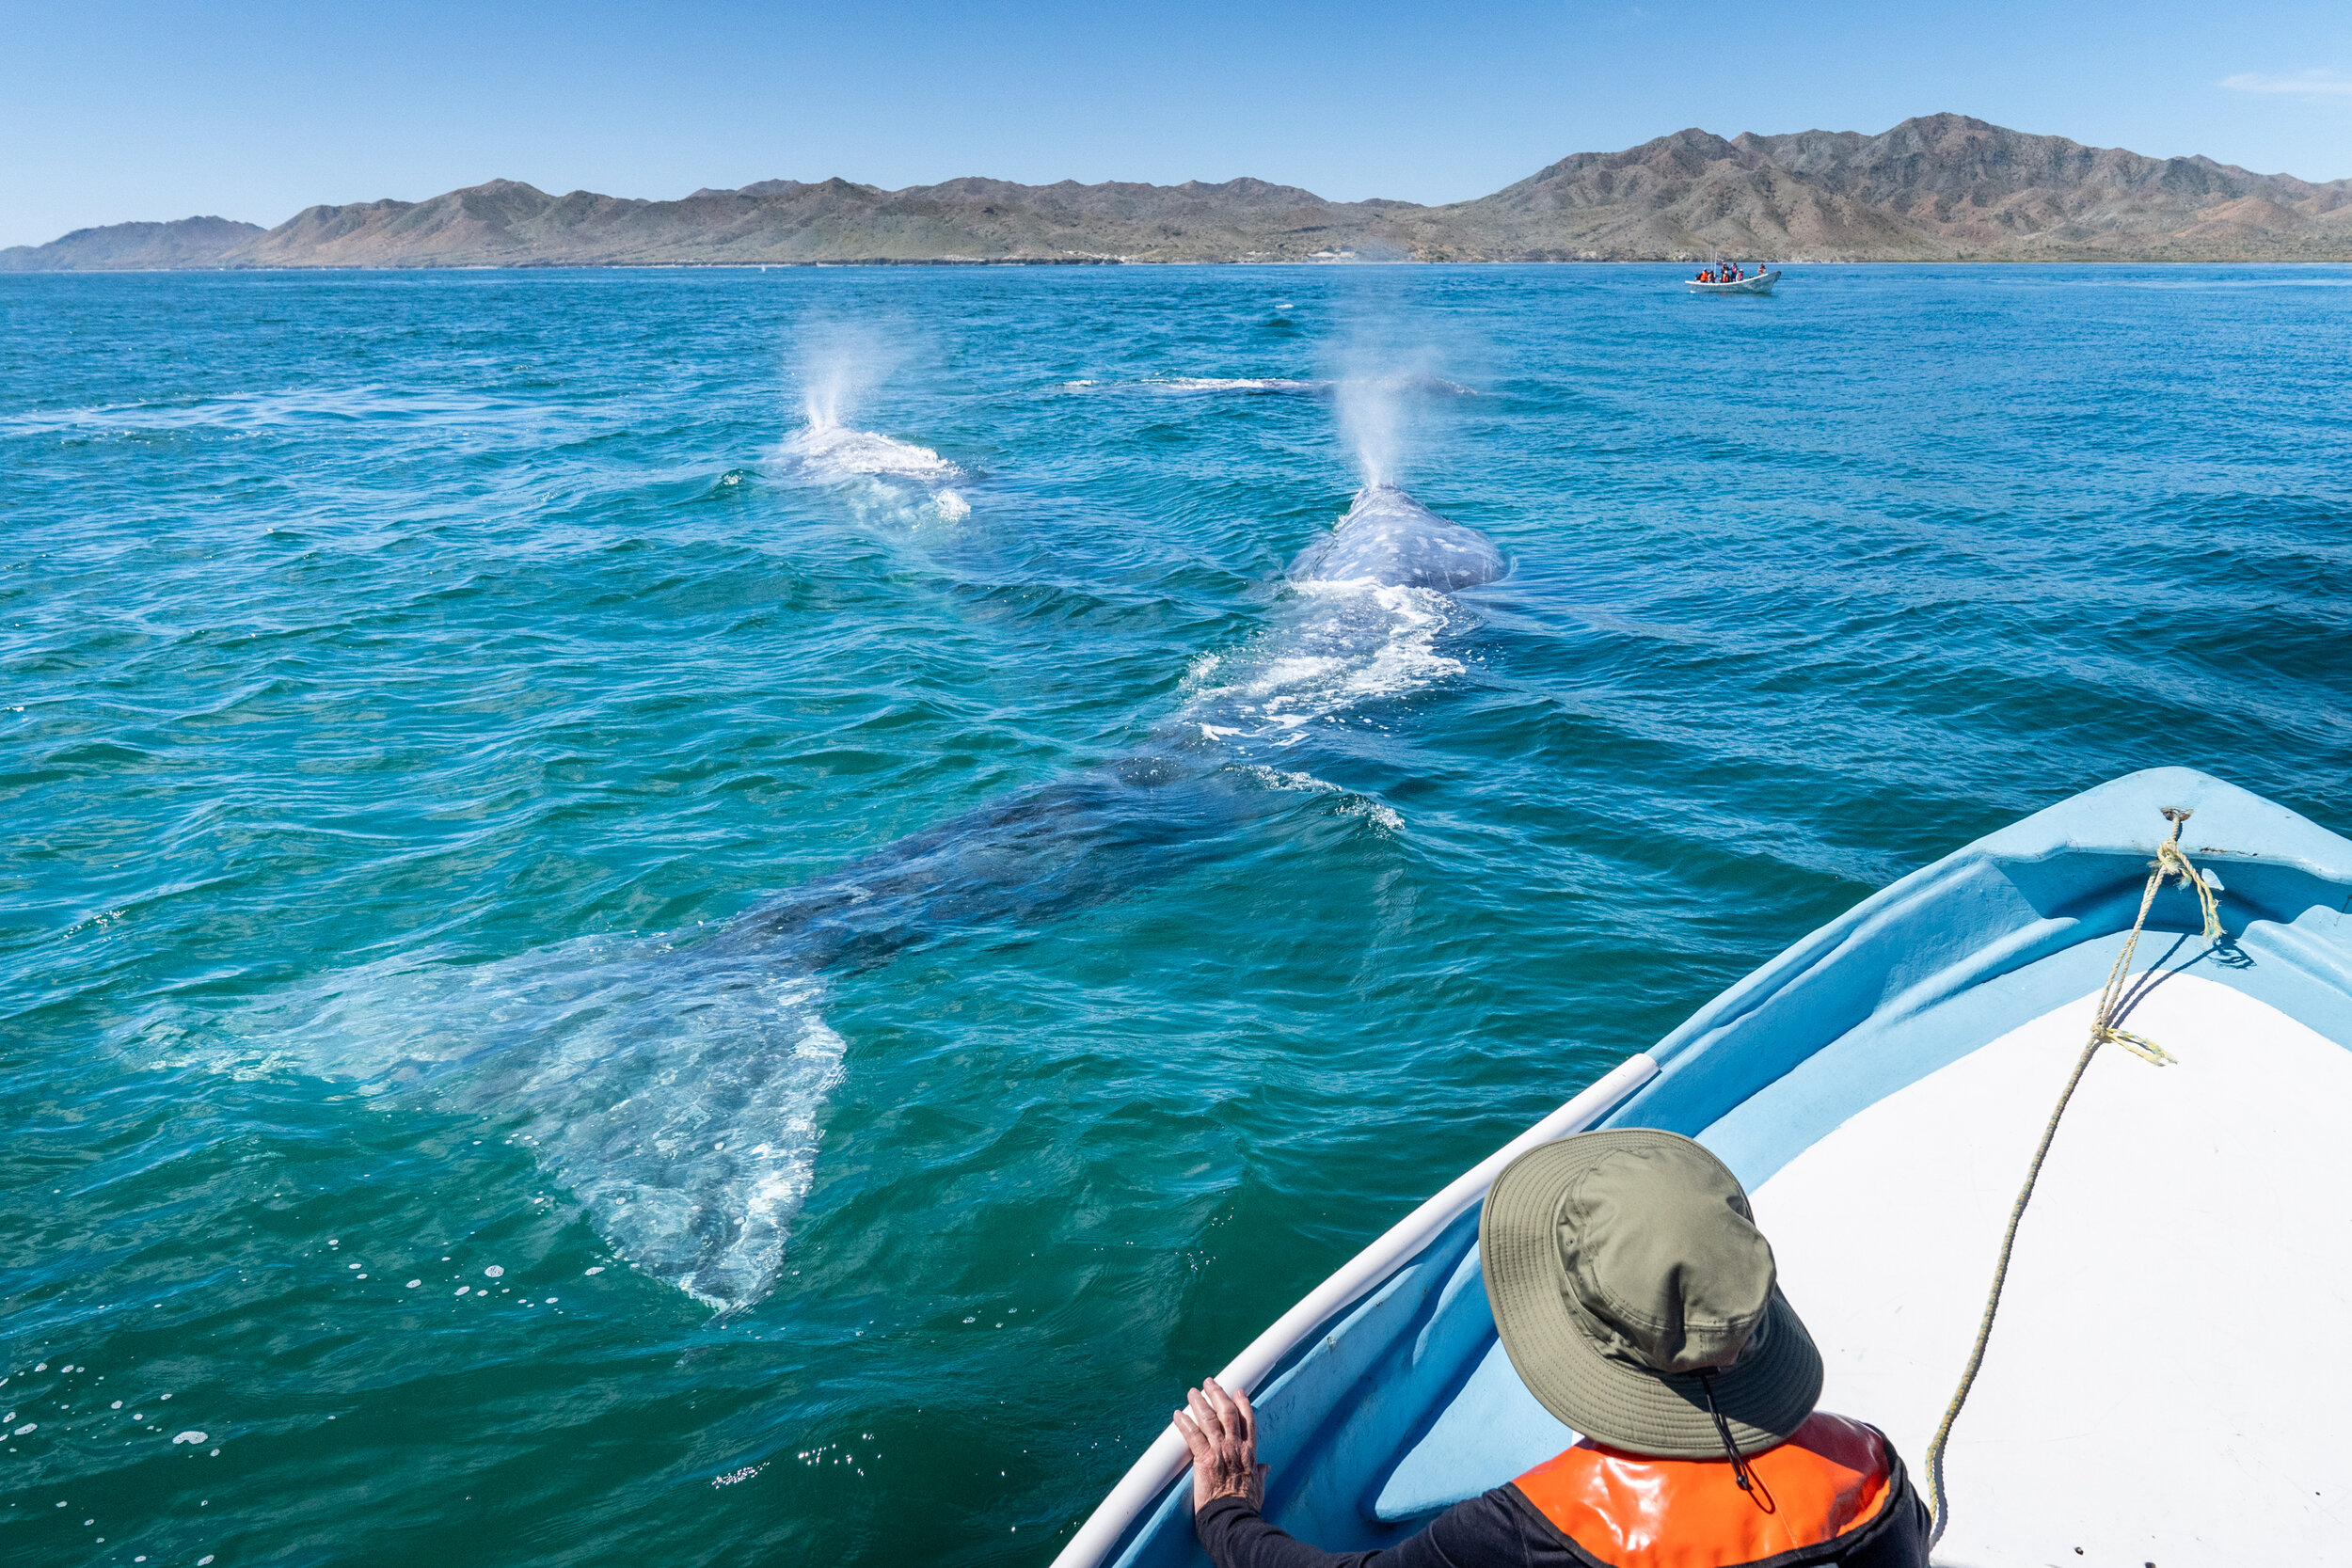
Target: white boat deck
[(2167, 1381)]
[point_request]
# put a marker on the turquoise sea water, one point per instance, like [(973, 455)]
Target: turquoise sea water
[(460, 737)]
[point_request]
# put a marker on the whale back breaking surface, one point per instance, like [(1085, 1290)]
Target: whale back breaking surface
[(678, 1088), (1391, 539)]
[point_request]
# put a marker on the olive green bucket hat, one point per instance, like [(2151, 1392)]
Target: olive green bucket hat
[(1638, 1300)]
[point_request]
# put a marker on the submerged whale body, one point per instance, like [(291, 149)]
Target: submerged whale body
[(1389, 539), (1029, 857), (678, 1089), (1077, 841)]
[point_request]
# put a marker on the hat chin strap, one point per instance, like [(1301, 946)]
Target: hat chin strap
[(1750, 1482)]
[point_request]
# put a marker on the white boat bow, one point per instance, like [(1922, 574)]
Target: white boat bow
[(2159, 1386)]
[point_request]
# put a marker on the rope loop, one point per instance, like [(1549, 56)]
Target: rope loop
[(2171, 860)]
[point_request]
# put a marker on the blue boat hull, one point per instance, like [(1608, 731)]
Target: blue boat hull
[(1387, 1397)]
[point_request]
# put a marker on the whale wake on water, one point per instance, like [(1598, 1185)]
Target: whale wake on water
[(676, 1086)]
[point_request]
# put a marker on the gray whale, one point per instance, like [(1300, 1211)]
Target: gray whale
[(1079, 840), (1391, 539), (676, 1087)]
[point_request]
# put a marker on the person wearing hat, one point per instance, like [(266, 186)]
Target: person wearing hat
[(1639, 1305)]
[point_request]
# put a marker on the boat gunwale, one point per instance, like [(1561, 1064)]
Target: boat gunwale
[(2082, 827), (1138, 1492)]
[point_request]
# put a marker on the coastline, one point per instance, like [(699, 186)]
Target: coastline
[(2341, 260)]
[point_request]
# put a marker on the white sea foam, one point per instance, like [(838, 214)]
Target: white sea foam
[(1367, 607), (1380, 813), (1283, 386), (885, 472), (1334, 647), (1269, 385), (835, 451), (675, 1094)]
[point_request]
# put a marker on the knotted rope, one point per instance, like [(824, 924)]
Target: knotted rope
[(2171, 860)]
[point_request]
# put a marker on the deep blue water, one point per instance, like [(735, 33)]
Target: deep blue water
[(460, 736)]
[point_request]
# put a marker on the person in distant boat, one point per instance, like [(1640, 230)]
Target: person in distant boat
[(1640, 1305)]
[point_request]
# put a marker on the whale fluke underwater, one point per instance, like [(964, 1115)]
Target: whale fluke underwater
[(676, 1086)]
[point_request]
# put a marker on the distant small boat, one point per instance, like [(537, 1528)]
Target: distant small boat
[(1760, 284), (1879, 1087)]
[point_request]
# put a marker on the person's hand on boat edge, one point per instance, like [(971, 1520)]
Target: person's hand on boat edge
[(1221, 1430)]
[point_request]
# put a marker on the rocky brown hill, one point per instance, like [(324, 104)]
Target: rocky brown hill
[(134, 247), (1940, 188)]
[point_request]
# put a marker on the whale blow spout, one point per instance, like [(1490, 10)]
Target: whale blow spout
[(1391, 539)]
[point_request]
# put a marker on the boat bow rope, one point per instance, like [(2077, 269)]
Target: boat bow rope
[(2171, 860)]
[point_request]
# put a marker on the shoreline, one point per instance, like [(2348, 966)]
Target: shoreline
[(2343, 260)]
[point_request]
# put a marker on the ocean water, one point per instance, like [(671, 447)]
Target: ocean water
[(734, 917)]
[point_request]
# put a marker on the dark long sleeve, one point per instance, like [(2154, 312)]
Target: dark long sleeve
[(1503, 1529), (1484, 1531)]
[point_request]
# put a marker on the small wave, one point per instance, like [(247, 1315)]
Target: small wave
[(1378, 812), (1263, 385), (267, 410), (1277, 386), (674, 1091)]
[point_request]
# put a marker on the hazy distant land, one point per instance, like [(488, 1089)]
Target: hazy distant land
[(1943, 187)]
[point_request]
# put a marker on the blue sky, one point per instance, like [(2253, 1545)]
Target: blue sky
[(120, 109)]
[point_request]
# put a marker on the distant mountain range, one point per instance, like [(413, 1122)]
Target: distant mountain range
[(1943, 187)]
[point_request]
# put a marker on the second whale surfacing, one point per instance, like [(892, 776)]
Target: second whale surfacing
[(1391, 539), (676, 1087), (1367, 605)]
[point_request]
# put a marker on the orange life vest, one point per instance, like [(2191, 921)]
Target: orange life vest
[(1830, 1478)]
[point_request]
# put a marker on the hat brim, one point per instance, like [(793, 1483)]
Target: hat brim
[(1764, 1396)]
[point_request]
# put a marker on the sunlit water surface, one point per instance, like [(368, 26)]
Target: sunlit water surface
[(488, 1077)]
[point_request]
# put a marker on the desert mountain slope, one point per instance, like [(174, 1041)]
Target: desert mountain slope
[(117, 246), (1942, 187)]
